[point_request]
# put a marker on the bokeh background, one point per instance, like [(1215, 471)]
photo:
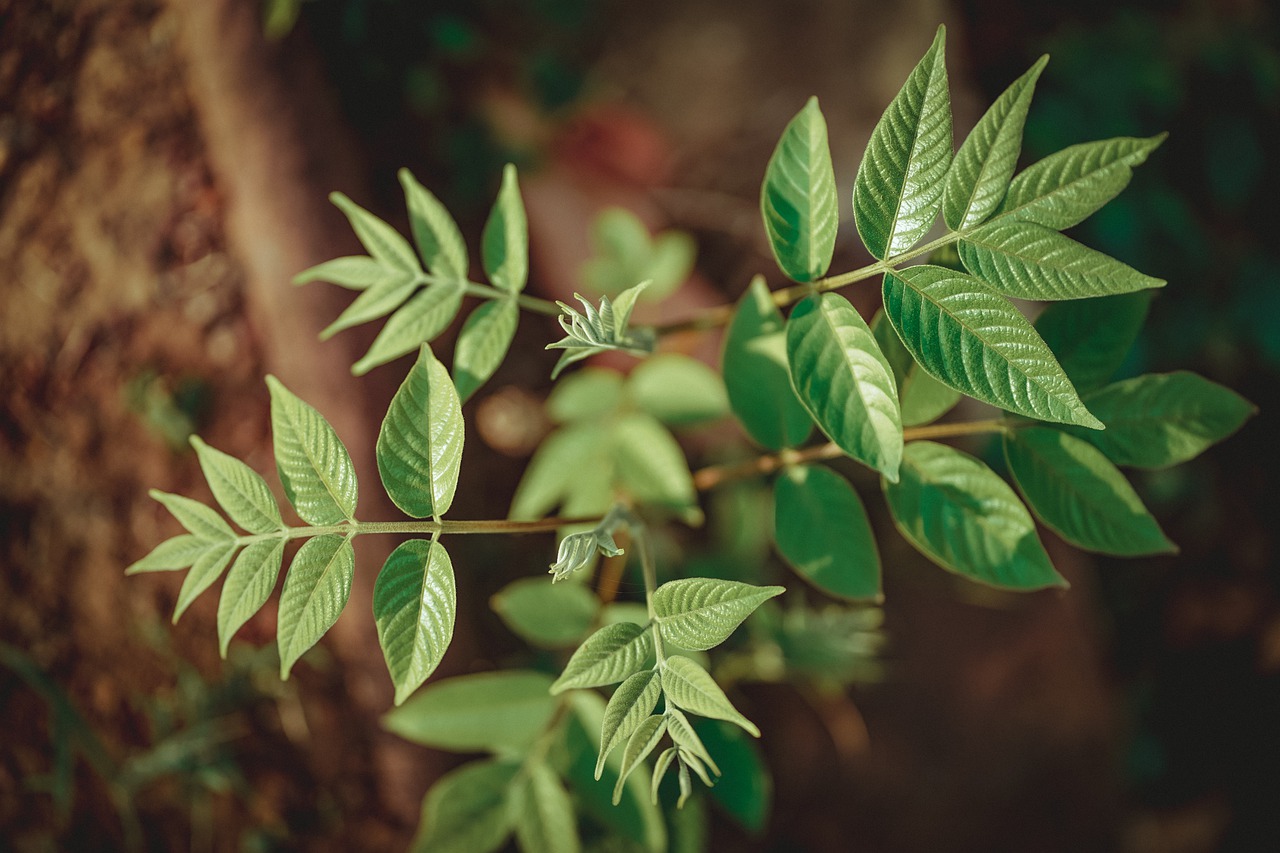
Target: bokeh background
[(163, 169)]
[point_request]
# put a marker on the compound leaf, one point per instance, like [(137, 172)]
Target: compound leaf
[(505, 242), (545, 614), (439, 241), (692, 750), (1085, 499), (822, 531), (248, 586), (490, 711), (316, 589), (692, 688), (958, 513), (844, 381), (899, 187), (382, 241), (1091, 337), (420, 443), (631, 703), (315, 468), (414, 604), (973, 339), (608, 656), (700, 613), (467, 810), (544, 816), (798, 197), (240, 490), (558, 466), (483, 343), (417, 322)]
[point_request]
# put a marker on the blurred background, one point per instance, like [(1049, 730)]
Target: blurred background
[(163, 173)]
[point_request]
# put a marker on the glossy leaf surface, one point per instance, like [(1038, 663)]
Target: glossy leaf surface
[(414, 606), (823, 532), (798, 198), (314, 466)]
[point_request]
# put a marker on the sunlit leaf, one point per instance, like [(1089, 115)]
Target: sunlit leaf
[(558, 466), (700, 613), (501, 712), (692, 688), (823, 533), (316, 589), (652, 466), (608, 656), (248, 586), (200, 521), (414, 605), (439, 241), (381, 240), (505, 243), (798, 197), (171, 555), (355, 272), (588, 393), (417, 322), (380, 299), (240, 490), (207, 568), (482, 344), (677, 389), (921, 398), (314, 467), (420, 443)]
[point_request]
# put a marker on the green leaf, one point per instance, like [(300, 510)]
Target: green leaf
[(1085, 499), (414, 604), (844, 381), (625, 254), (316, 470), (643, 741), (1159, 420), (745, 791), (171, 555), (798, 197), (505, 242), (652, 466), (418, 322), (199, 520), (823, 533), (1091, 337), (490, 711), (439, 241), (700, 613), (207, 568), (980, 173), (383, 297), (660, 767), (316, 590), (692, 688), (467, 810), (630, 705), (608, 656), (420, 443), (545, 614), (355, 272), (677, 390), (1029, 261), (898, 190), (381, 240), (483, 344), (248, 586), (244, 495), (756, 376), (545, 820), (921, 398), (587, 394), (1065, 188), (558, 466), (692, 750), (971, 338), (958, 513)]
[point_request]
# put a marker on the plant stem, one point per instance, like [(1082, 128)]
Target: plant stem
[(528, 303), (650, 571), (435, 528), (715, 475)]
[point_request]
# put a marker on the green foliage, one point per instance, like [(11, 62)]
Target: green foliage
[(1091, 337), (823, 532), (414, 604), (625, 253), (314, 466), (546, 614), (467, 810), (798, 197), (600, 329), (700, 613), (499, 712)]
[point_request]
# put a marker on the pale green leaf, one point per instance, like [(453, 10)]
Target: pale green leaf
[(172, 555), (381, 240), (677, 389), (417, 322), (482, 344), (643, 741), (625, 254), (414, 605), (692, 749), (898, 190), (700, 613), (958, 513), (624, 303), (492, 711), (559, 464), (1163, 419), (844, 381), (544, 816), (207, 568), (315, 468), (1029, 261), (1065, 188), (545, 614), (756, 376), (745, 789), (1091, 337), (240, 490), (316, 589), (822, 531), (1073, 489), (921, 398), (631, 703), (974, 340), (201, 521), (660, 767), (692, 688), (980, 173), (505, 242), (652, 466), (248, 586), (420, 443), (468, 810), (587, 394), (439, 241), (380, 299), (354, 272), (608, 656), (798, 197)]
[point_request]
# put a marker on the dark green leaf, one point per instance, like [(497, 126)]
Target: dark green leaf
[(417, 322), (898, 190), (467, 810), (745, 790), (1091, 337), (414, 604), (958, 513), (1073, 489), (700, 613), (314, 467), (798, 197), (483, 344), (608, 656), (546, 614), (921, 398), (505, 242), (439, 242), (244, 495), (545, 821), (495, 711), (316, 589), (248, 586), (823, 532)]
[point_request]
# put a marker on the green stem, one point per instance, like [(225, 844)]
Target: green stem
[(435, 528), (528, 303), (650, 572)]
